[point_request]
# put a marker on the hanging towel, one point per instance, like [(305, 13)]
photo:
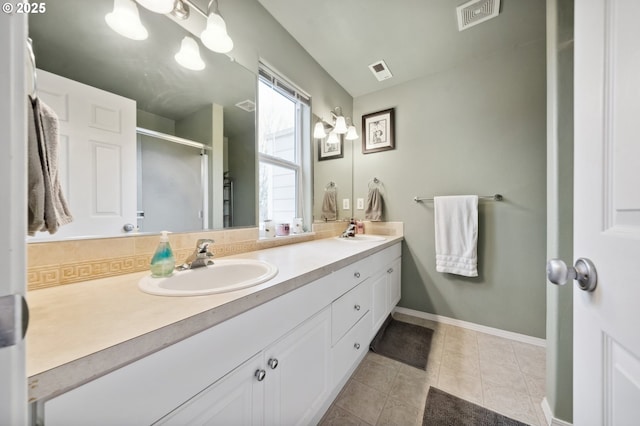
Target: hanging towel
[(48, 209), (456, 231), (373, 212), (330, 205)]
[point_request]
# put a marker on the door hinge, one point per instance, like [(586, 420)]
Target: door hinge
[(14, 319)]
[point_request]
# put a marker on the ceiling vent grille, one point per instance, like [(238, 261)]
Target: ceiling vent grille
[(476, 11), (247, 105), (380, 70)]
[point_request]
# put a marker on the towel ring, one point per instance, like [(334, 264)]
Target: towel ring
[(374, 183), (330, 186)]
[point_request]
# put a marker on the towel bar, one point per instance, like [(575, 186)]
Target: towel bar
[(495, 197)]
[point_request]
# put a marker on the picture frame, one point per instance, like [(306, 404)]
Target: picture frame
[(378, 131), (327, 151)]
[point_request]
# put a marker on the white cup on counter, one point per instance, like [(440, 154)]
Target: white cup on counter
[(296, 226), (269, 229)]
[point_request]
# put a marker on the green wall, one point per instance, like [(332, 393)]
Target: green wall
[(560, 204), (478, 128)]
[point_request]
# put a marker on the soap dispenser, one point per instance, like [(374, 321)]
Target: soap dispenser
[(163, 262)]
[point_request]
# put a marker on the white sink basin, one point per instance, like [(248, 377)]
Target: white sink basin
[(362, 238), (223, 276)]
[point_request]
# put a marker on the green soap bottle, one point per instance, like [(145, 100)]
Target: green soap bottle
[(163, 262)]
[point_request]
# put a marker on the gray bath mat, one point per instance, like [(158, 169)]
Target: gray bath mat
[(443, 409), (408, 343)]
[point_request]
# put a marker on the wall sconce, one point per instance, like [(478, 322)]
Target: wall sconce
[(215, 36), (158, 6), (125, 20), (339, 127)]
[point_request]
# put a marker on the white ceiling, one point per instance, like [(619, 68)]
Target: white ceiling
[(414, 37)]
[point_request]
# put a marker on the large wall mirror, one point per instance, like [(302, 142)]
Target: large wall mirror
[(193, 154)]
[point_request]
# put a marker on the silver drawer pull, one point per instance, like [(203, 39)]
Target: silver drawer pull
[(357, 346), (390, 270), (356, 307), (357, 275), (260, 375)]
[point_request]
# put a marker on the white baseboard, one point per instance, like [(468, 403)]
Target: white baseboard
[(551, 421), (472, 326)]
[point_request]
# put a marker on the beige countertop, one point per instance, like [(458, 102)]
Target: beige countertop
[(81, 331)]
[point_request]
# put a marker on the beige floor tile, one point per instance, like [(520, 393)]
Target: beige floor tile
[(464, 386), (337, 416), (456, 363), (531, 359), (362, 401), (536, 387), (465, 344), (504, 376), (411, 386), (510, 403), (397, 412), (376, 375), (387, 362)]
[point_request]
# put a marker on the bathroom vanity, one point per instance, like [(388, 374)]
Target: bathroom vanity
[(276, 353)]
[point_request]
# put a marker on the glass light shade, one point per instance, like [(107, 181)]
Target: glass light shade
[(351, 133), (158, 6), (333, 138), (189, 55), (341, 125), (125, 20), (318, 131), (215, 36)]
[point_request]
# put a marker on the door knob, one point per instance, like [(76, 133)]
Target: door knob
[(584, 272)]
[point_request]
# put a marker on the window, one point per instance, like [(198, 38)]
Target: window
[(282, 113)]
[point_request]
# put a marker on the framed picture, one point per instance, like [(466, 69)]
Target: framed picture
[(378, 131), (330, 151)]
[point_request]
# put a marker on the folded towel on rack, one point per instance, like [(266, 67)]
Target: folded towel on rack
[(330, 205), (373, 211), (456, 231), (48, 208)]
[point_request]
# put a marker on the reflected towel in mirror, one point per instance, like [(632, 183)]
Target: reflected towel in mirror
[(330, 205)]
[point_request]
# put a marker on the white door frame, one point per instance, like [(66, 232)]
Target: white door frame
[(13, 208)]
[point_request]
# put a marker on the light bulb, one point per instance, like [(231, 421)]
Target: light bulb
[(189, 55), (215, 35), (341, 125), (351, 133), (318, 131), (333, 138), (158, 6), (125, 20)]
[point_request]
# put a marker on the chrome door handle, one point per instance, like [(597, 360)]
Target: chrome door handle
[(584, 272)]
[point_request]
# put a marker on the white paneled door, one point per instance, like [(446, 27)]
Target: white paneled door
[(96, 155), (607, 211)]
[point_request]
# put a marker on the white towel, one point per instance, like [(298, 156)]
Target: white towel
[(456, 230)]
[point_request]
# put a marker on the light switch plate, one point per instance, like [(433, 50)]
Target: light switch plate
[(345, 204), (360, 204)]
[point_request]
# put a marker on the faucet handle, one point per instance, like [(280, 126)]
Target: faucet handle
[(203, 245)]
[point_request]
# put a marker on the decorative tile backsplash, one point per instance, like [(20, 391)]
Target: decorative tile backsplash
[(66, 262)]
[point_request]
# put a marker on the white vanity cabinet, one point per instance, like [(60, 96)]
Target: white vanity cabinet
[(282, 362)]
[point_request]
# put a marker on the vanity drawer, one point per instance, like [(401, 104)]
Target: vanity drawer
[(348, 309), (350, 276), (351, 347)]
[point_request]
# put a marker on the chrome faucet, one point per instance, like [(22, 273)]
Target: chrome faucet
[(350, 231), (200, 258)]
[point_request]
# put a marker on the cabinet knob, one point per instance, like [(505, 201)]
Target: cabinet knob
[(357, 275), (356, 307), (357, 346), (390, 270), (273, 363), (260, 375)]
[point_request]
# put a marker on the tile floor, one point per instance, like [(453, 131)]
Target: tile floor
[(500, 374)]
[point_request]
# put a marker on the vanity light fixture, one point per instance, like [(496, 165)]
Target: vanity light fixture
[(189, 55), (339, 127), (215, 36), (158, 6), (125, 20)]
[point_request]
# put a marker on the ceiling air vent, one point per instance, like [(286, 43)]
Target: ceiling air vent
[(476, 11), (380, 70), (247, 105)]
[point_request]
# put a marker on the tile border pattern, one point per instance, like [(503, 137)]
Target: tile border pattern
[(57, 263)]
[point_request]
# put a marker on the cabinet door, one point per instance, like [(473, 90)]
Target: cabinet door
[(298, 366), (393, 274), (380, 303), (236, 399)]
